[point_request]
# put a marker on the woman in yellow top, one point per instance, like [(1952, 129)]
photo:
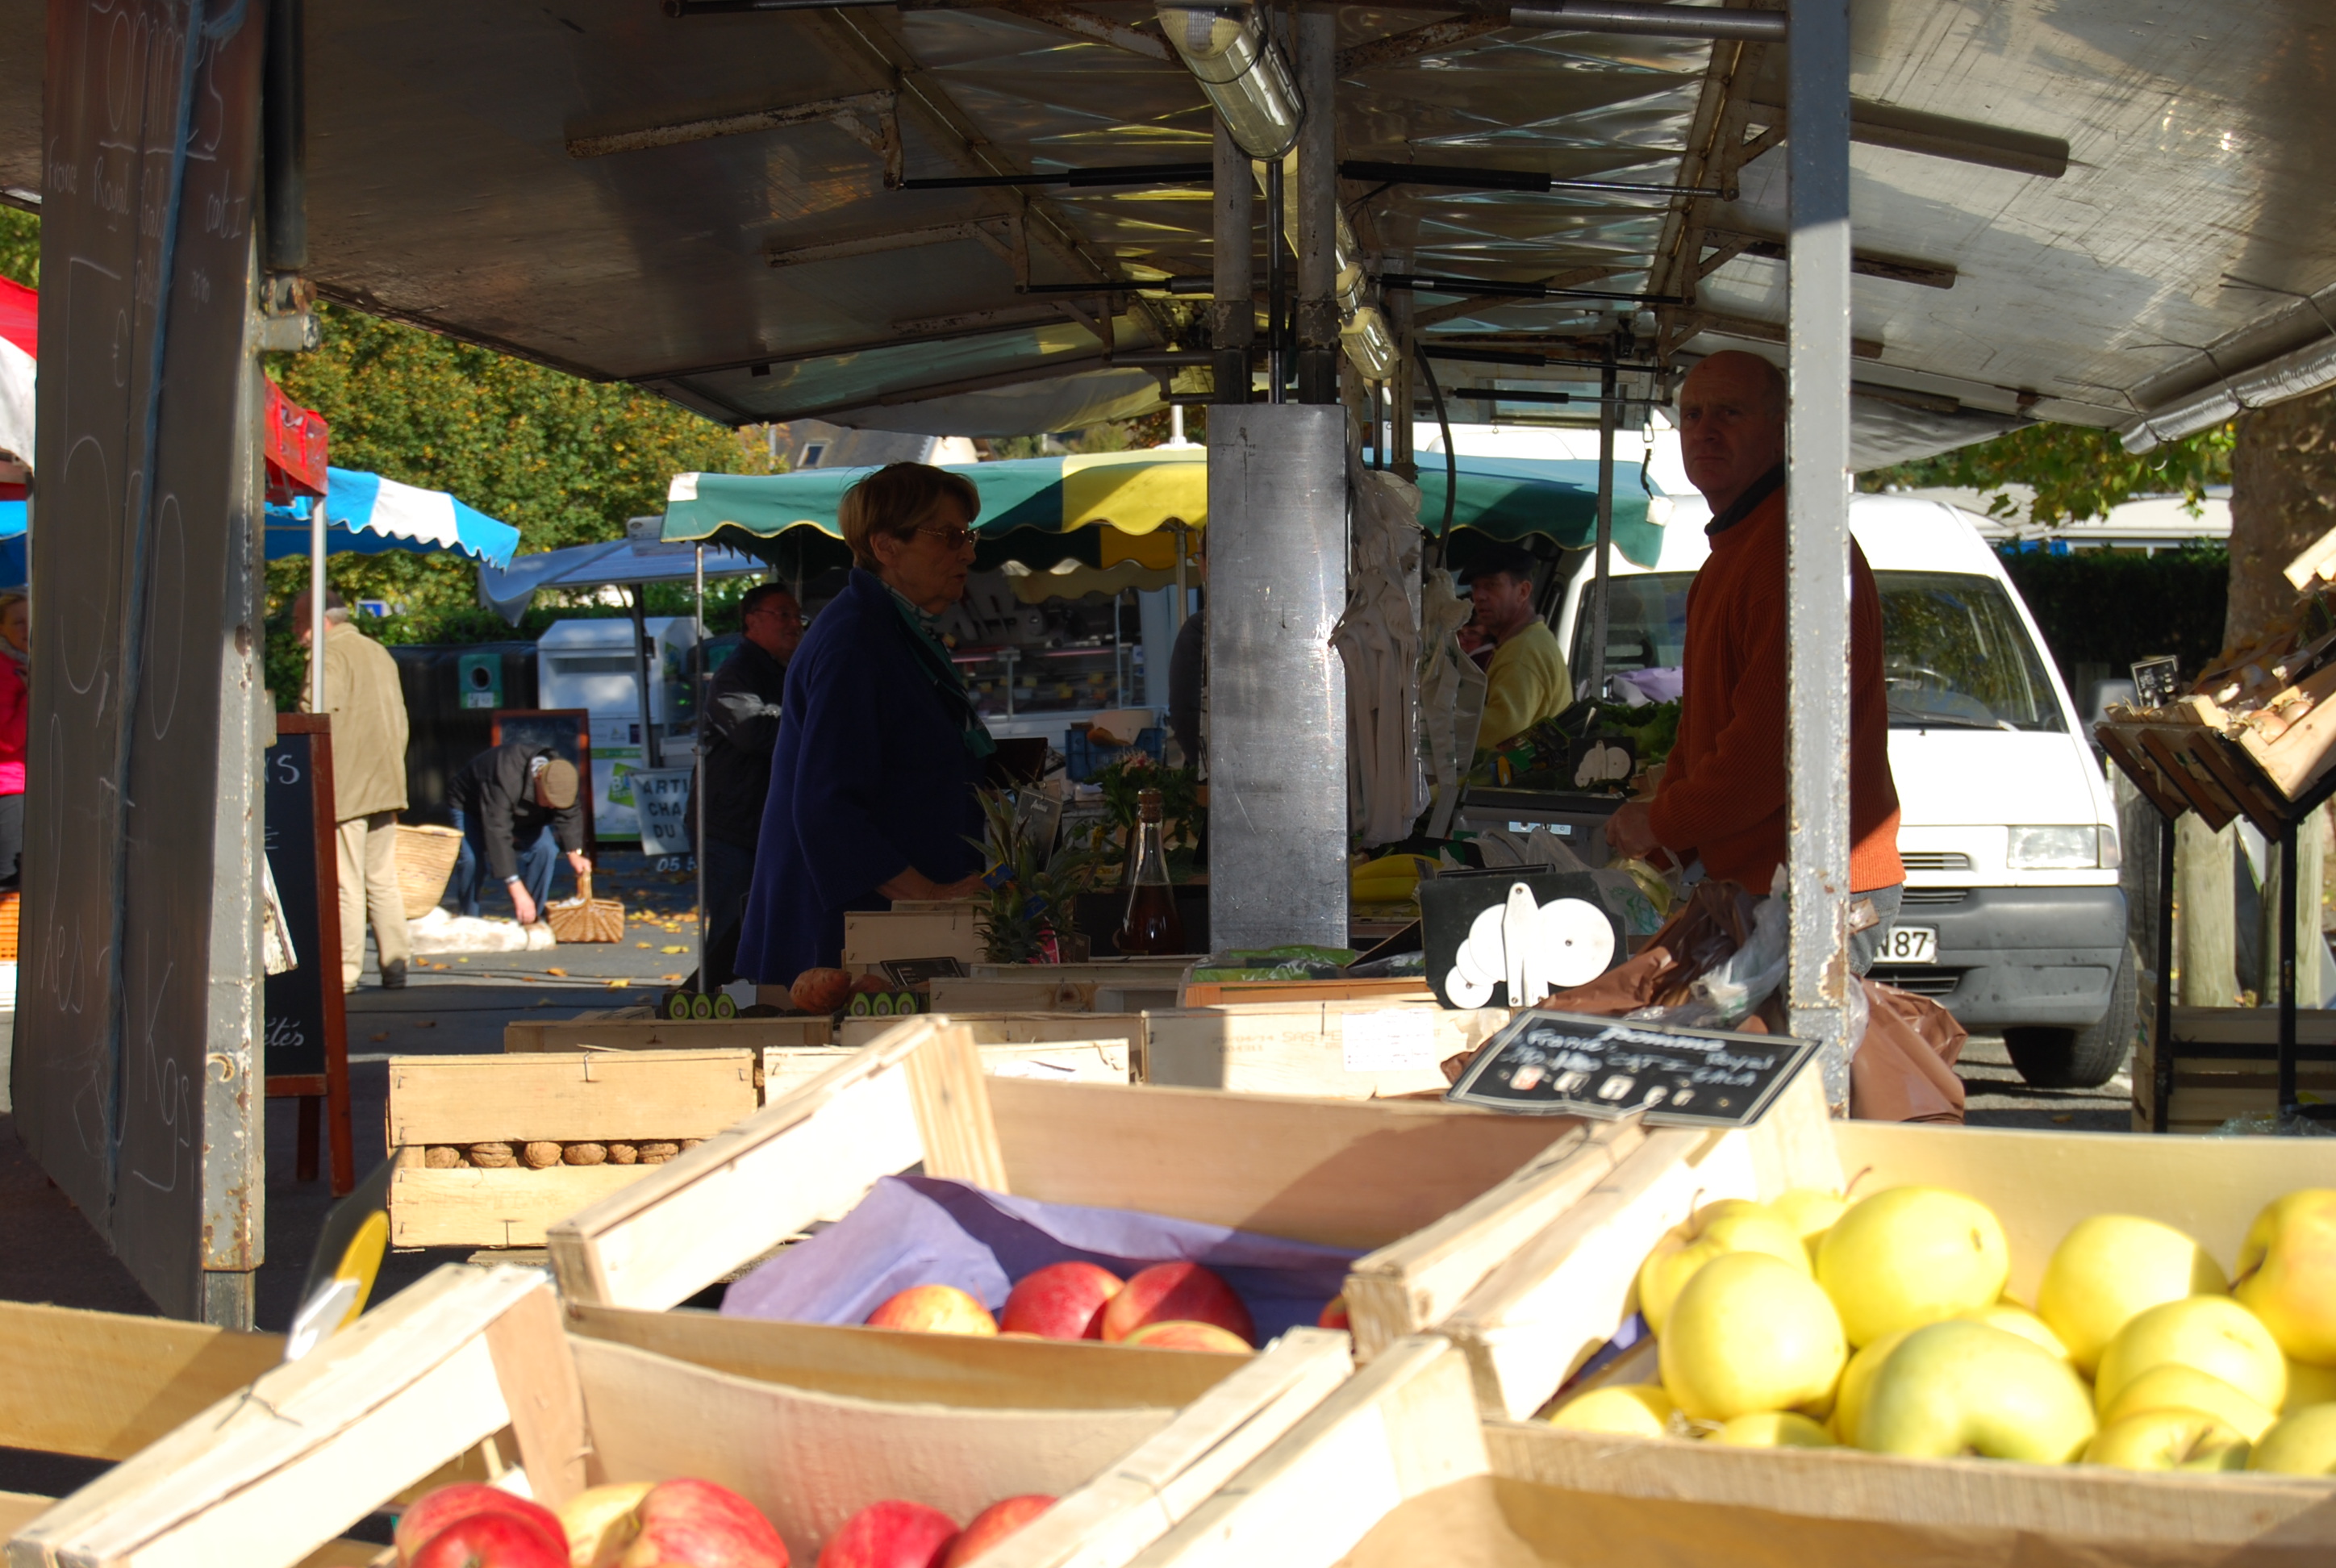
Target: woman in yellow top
[(1526, 681)]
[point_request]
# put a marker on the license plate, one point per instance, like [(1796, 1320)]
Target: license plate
[(1911, 945)]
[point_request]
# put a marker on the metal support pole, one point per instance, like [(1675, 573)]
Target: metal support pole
[(1400, 394), (2287, 881), (1183, 594), (1595, 676), (1816, 446), (1232, 317), (650, 752), (316, 605), (1317, 207), (2161, 1109), (697, 796), (1276, 286)]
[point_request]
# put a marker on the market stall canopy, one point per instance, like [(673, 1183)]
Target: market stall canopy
[(15, 565), (732, 208), (509, 590), (296, 442), (20, 349), (370, 515)]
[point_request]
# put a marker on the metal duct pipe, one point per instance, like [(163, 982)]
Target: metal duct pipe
[(1648, 21), (1232, 316), (1240, 72), (1319, 221)]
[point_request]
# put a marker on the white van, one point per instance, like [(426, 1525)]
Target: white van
[(2012, 917)]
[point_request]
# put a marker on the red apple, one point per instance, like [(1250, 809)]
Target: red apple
[(1060, 1301), (692, 1523), (1184, 1293), (1177, 1335), (995, 1523), (434, 1511), (890, 1535), (487, 1540), (1334, 1314), (934, 1310)]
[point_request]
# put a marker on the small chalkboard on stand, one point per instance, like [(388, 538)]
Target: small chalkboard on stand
[(306, 1043), (1564, 1064)]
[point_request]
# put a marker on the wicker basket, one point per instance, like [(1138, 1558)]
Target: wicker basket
[(425, 859), (585, 919)]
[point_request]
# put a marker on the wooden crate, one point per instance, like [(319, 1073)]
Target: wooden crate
[(1077, 1056), (554, 1096), (808, 1424), (941, 930), (666, 1033), (2210, 1090), (1387, 992), (958, 995), (1443, 1193), (1017, 1029), (1394, 1470), (1546, 1309), (1339, 1049)]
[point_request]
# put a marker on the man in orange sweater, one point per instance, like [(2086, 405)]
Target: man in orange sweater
[(1723, 797)]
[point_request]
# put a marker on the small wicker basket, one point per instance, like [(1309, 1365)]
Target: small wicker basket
[(425, 859), (585, 919)]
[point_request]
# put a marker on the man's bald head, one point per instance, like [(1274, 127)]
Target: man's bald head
[(1731, 423)]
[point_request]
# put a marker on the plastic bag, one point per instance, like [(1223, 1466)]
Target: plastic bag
[(1753, 973), (1289, 962)]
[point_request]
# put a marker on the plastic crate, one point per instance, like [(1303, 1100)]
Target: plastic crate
[(1083, 758)]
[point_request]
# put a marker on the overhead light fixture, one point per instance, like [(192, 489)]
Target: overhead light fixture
[(1240, 72)]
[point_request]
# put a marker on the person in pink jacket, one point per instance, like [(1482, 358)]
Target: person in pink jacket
[(15, 701)]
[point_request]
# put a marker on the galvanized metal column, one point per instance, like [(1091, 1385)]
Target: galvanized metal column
[(1602, 584), (1816, 446), (1277, 695), (1317, 207), (1232, 317)]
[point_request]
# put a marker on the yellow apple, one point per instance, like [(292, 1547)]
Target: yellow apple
[(2111, 1266), (2287, 1273), (2308, 1384), (2303, 1443), (1750, 1332), (2014, 1319), (2174, 1387), (1810, 1212), (1957, 1388), (1857, 1380), (2214, 1334), (1911, 1256), (1773, 1429), (1637, 1409), (2169, 1439), (599, 1523), (1730, 1225)]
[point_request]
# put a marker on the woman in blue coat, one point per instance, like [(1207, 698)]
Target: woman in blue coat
[(880, 749)]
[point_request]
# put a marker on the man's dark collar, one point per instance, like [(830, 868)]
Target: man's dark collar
[(1744, 505)]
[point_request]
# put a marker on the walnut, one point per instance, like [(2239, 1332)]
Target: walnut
[(623, 1155), (492, 1157), (585, 1154), (441, 1157), (540, 1156)]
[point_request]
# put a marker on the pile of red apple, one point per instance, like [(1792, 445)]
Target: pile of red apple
[(681, 1523), (1168, 1306)]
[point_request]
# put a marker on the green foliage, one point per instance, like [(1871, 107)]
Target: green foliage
[(2109, 607), (1037, 895), (2076, 471), (1181, 814), (20, 248)]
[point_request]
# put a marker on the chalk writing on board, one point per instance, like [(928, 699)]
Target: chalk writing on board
[(1553, 1063)]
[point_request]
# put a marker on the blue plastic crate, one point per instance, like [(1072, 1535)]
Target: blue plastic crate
[(1083, 758)]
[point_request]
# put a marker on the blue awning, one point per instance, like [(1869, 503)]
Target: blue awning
[(370, 515)]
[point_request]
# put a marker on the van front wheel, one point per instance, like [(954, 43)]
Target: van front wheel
[(2082, 1059)]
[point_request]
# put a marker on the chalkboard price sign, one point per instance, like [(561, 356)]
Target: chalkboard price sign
[(307, 1040), (1564, 1064)]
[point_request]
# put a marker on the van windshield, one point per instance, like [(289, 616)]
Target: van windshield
[(1955, 653)]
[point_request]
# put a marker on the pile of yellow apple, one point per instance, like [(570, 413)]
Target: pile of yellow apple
[(1810, 1321)]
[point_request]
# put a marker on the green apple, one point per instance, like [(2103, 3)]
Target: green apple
[(2109, 1268), (1773, 1429), (1750, 1332), (1730, 1225), (2014, 1319), (2169, 1439), (1810, 1212), (1857, 1380), (2174, 1387), (2214, 1334), (2303, 1443), (2287, 1273), (1911, 1256), (1635, 1410), (1960, 1389), (2308, 1384)]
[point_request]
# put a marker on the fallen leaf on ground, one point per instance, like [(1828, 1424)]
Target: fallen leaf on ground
[(385, 1034), (554, 970), (665, 949), (669, 979), (419, 1023), (328, 581), (2065, 1118)]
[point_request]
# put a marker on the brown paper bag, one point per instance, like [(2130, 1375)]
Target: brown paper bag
[(1905, 1070)]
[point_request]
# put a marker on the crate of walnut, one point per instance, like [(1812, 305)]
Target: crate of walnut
[(489, 1150)]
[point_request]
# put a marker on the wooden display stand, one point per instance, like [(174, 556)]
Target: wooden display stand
[(2226, 1064), (1444, 1193), (809, 1424), (1346, 1049)]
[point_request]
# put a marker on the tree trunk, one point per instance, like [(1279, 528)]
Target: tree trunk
[(2205, 940), (2283, 498)]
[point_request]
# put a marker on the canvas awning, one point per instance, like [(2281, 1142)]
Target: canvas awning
[(370, 515)]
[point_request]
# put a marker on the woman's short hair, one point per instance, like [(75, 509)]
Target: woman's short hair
[(896, 499)]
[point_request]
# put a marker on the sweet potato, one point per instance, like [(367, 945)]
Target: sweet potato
[(819, 990)]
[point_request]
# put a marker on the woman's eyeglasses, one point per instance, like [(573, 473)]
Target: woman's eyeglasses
[(953, 536)]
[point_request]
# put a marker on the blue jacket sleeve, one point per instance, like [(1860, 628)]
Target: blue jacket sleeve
[(838, 780)]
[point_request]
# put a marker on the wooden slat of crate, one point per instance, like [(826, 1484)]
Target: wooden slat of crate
[(1073, 1059), (943, 931), (1324, 1047), (666, 1034), (2242, 780), (2123, 744), (103, 1384), (1219, 993), (1013, 1028), (1137, 973), (568, 1097), (2306, 749), (2209, 1090), (513, 1206), (2168, 746), (960, 994)]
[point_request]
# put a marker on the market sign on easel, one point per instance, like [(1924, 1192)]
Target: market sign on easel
[(1564, 1064)]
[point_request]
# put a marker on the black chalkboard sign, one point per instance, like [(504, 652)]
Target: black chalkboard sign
[(1564, 1064), (307, 1040)]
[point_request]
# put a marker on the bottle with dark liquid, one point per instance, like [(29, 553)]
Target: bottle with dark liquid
[(1153, 925)]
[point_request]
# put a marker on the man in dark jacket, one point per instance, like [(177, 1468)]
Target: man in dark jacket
[(517, 809), (742, 726)]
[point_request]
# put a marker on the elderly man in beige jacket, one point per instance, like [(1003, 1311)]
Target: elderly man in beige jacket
[(368, 712)]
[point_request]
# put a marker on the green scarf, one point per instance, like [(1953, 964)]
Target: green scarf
[(978, 742)]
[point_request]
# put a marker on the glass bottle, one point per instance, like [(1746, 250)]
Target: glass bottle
[(1153, 925)]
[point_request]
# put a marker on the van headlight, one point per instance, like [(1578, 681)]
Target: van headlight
[(2055, 849)]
